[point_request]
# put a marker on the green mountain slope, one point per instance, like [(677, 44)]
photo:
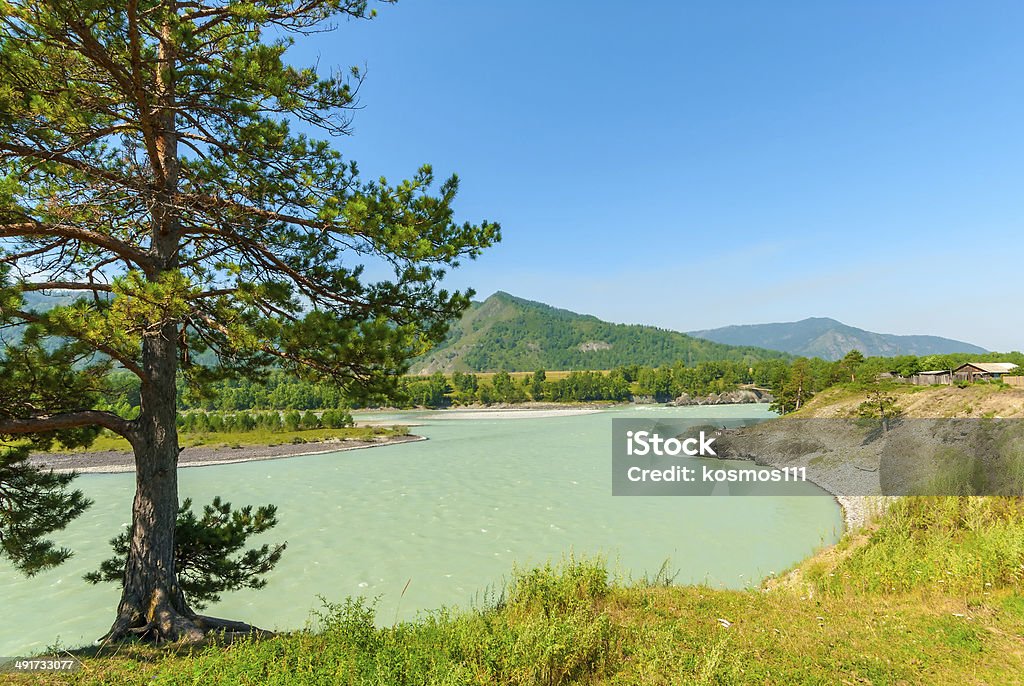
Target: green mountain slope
[(512, 334), (830, 340)]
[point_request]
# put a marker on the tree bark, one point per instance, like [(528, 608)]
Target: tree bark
[(152, 603)]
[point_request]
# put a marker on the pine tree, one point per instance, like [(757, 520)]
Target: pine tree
[(150, 166)]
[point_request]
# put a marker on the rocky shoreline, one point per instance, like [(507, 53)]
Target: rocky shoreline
[(836, 460), (858, 510), (742, 396)]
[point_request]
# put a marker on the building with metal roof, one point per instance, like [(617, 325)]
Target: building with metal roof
[(976, 371)]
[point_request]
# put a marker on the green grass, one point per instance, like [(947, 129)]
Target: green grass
[(856, 613), (550, 375), (553, 375), (618, 635), (838, 393), (934, 545)]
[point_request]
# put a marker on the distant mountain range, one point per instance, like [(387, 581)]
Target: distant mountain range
[(512, 334), (830, 340)]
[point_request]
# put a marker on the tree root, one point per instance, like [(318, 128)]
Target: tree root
[(163, 624), (230, 626)]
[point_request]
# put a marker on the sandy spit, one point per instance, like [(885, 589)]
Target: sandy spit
[(512, 413), (120, 461)]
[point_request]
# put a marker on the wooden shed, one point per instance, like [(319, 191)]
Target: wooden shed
[(932, 378), (980, 371)]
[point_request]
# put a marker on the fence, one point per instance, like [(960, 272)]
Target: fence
[(931, 379)]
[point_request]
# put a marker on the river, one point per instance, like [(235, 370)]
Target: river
[(450, 517)]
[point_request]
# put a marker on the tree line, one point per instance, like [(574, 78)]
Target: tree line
[(273, 398), (792, 383), (273, 421)]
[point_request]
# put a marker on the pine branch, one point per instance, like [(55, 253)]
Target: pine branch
[(127, 362), (64, 286), (100, 240), (68, 420)]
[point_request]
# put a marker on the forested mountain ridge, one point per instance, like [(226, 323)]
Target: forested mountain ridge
[(512, 334), (830, 340)]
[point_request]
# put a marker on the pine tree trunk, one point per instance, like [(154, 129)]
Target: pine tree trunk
[(152, 604)]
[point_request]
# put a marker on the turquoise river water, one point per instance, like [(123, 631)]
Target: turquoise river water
[(450, 517)]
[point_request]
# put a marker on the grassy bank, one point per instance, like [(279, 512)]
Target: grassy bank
[(930, 593)]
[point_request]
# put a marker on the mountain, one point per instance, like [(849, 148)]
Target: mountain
[(512, 334), (830, 340)]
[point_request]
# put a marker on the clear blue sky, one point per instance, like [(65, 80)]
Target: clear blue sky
[(693, 165)]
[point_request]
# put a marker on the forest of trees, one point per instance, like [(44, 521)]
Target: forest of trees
[(280, 400), (792, 383)]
